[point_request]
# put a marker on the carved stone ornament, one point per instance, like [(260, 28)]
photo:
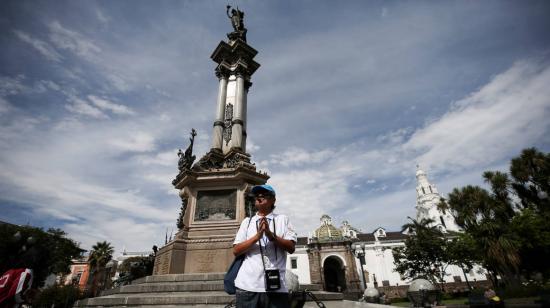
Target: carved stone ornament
[(212, 160), (180, 224), (228, 123), (238, 159)]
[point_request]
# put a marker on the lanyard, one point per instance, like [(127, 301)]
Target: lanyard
[(265, 242)]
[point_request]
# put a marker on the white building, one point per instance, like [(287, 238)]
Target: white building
[(376, 247)]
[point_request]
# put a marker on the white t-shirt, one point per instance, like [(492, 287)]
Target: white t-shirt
[(251, 273)]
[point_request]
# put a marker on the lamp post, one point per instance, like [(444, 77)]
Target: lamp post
[(359, 251)]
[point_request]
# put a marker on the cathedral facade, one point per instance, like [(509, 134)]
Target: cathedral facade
[(344, 259)]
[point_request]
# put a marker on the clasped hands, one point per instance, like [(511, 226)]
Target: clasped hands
[(263, 228)]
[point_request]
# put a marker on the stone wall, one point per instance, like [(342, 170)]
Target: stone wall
[(451, 287)]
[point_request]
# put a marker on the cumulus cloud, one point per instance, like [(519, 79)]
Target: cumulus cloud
[(44, 48)]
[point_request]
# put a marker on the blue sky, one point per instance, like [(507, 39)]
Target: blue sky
[(96, 97)]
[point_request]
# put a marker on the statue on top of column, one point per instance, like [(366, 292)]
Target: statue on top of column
[(237, 21)]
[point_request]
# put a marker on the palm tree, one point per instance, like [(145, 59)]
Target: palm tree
[(102, 252), (487, 217)]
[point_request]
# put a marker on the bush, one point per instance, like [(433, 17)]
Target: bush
[(524, 291), (134, 268), (57, 296)]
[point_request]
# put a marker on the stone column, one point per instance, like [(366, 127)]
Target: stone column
[(245, 111), (238, 123), (217, 135)]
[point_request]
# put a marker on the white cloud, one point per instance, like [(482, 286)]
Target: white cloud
[(251, 146), (104, 19), (121, 232), (507, 114), (134, 142), (297, 157), (81, 107), (325, 109), (487, 127), (44, 85), (107, 105), (166, 158), (44, 48), (12, 85), (73, 41), (5, 106)]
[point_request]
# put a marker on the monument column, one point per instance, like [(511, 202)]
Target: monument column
[(217, 135), (238, 123), (247, 85), (214, 189)]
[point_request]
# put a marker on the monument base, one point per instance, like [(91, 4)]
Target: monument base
[(195, 256), (214, 204)]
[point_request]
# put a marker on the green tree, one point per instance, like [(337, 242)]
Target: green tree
[(531, 182), (137, 267), (424, 253), (100, 255), (45, 252), (461, 251), (509, 222), (486, 217)]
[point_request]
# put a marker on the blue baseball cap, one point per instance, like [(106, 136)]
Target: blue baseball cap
[(264, 188)]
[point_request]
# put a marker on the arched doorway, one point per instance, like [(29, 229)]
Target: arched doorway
[(334, 274)]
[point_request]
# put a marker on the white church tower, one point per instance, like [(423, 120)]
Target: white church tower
[(427, 198)]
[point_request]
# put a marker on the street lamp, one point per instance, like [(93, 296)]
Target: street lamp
[(360, 254)]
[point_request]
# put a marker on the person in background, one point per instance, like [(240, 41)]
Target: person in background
[(14, 286)]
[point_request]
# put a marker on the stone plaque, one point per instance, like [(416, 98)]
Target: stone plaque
[(206, 261), (216, 205)]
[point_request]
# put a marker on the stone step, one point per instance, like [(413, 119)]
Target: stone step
[(186, 290), (180, 278), (182, 286), (311, 287), (178, 298), (168, 298), (168, 287)]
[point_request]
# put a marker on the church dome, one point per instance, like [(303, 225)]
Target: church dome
[(327, 232)]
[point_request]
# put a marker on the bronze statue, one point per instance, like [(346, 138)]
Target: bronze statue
[(186, 159), (237, 21)]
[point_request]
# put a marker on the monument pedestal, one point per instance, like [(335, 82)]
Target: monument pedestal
[(215, 206)]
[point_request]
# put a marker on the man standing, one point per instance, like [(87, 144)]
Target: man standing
[(265, 238)]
